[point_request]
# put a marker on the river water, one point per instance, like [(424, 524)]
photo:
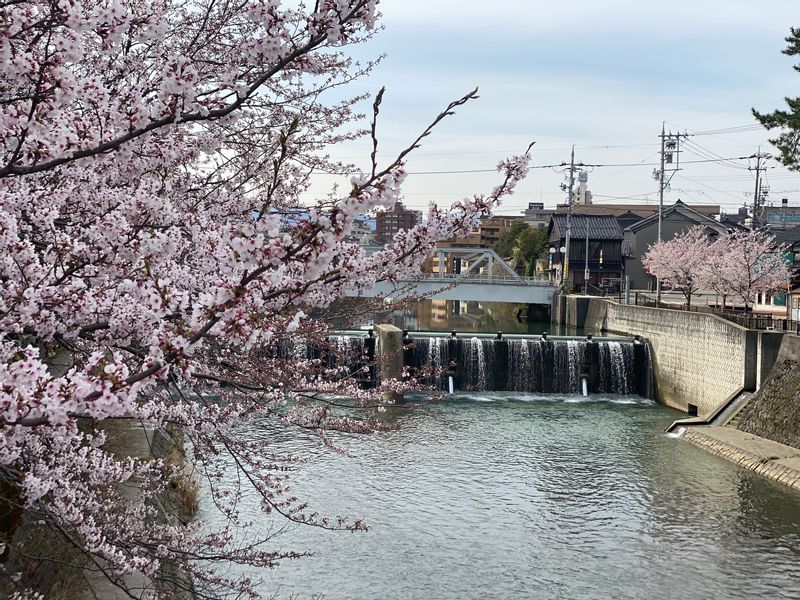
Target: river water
[(543, 497)]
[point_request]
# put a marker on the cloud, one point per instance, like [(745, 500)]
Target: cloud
[(580, 16)]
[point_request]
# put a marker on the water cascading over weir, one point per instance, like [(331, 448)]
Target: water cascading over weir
[(543, 365), (512, 363)]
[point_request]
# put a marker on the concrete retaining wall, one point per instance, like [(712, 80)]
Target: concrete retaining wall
[(774, 412), (699, 359)]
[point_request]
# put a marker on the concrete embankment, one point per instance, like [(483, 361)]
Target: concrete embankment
[(770, 459), (766, 435), (774, 412), (699, 359), (701, 363)]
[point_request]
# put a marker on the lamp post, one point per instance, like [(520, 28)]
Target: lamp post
[(562, 267), (586, 265)]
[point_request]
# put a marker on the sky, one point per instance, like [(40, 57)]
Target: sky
[(602, 76)]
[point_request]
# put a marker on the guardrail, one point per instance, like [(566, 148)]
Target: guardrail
[(497, 279)]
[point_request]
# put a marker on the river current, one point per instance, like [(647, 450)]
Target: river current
[(534, 496)]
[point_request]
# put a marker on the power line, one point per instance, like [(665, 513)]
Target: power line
[(564, 164), (729, 130), (699, 150)]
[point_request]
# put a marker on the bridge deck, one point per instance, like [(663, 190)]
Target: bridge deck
[(470, 289)]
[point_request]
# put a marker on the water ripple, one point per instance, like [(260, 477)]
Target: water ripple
[(514, 496)]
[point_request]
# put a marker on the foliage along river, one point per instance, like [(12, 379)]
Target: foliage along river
[(522, 496)]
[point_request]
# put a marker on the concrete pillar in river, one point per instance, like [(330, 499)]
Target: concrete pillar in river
[(390, 357)]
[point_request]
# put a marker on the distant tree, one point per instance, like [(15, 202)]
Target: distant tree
[(530, 246), (788, 121), (744, 263), (680, 263), (505, 247)]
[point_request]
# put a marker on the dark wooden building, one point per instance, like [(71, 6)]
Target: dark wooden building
[(605, 263)]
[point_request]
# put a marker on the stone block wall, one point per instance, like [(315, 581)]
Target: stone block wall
[(698, 358), (774, 412)]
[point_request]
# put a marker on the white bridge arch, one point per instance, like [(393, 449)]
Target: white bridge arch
[(472, 274)]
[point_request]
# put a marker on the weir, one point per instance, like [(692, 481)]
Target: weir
[(546, 365), (480, 362)]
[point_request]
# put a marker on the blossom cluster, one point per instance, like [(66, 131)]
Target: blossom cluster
[(739, 264), (148, 154)]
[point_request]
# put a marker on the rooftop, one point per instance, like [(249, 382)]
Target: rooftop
[(601, 227)]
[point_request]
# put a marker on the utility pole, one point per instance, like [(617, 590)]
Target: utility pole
[(670, 163), (586, 264), (569, 217), (758, 193), (661, 183)]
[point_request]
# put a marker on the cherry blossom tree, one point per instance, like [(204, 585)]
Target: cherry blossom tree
[(743, 263), (679, 263), (149, 154)]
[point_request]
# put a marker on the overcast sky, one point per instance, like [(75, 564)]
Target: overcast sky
[(600, 75)]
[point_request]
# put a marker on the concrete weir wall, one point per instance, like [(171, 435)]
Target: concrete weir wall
[(699, 359)]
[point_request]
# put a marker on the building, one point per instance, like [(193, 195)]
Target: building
[(605, 264), (628, 218), (361, 233), (642, 210), (675, 220), (486, 235), (781, 217), (537, 216), (788, 240), (739, 218), (389, 222), (581, 193), (492, 229)]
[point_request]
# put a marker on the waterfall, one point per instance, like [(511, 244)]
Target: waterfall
[(510, 364), (576, 364), (616, 367), (299, 350), (520, 366), (432, 353), (476, 365), (353, 353)]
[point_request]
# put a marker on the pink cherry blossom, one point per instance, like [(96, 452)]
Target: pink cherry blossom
[(149, 153), (679, 262)]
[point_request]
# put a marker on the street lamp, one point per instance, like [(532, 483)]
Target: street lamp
[(562, 250)]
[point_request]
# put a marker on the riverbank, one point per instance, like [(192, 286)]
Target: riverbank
[(767, 437), (768, 458)]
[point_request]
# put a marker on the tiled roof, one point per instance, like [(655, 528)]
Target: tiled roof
[(786, 236), (601, 227), (686, 211)]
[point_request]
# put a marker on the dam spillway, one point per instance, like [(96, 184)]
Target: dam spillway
[(610, 366), (512, 363)]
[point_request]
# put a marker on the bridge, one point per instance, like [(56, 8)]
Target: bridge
[(470, 274)]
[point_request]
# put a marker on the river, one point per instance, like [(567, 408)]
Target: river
[(461, 316), (498, 495)]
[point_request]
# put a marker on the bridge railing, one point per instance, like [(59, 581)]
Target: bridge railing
[(484, 278)]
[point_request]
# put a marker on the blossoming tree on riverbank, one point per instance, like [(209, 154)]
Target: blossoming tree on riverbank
[(149, 151), (679, 262), (743, 263), (739, 264)]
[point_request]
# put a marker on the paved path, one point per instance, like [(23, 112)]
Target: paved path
[(771, 459)]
